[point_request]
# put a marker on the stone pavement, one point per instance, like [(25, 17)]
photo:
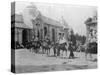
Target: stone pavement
[(25, 58)]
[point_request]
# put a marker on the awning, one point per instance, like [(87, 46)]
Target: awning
[(21, 25)]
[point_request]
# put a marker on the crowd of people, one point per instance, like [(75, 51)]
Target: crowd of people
[(45, 44), (36, 44)]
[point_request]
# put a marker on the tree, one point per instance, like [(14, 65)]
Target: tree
[(80, 38)]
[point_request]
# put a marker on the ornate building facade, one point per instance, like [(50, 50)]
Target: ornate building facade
[(91, 26), (20, 32), (44, 26)]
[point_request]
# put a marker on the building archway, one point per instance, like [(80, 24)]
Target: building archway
[(12, 38), (24, 36), (53, 35), (45, 31)]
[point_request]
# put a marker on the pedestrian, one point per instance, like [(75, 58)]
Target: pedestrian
[(71, 55), (72, 43)]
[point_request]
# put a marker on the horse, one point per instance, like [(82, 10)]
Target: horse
[(37, 45), (46, 46), (34, 46), (58, 47)]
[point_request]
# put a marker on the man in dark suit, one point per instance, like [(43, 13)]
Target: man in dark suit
[(72, 44)]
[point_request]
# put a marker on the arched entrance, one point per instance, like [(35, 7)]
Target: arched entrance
[(45, 31), (24, 36), (38, 34), (53, 35), (12, 38)]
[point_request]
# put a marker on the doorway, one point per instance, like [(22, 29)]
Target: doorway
[(24, 36), (53, 35), (45, 31)]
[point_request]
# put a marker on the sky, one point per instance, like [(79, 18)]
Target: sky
[(74, 15)]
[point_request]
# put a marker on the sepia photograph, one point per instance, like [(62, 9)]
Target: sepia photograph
[(53, 37)]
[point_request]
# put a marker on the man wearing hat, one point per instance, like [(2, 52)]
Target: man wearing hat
[(72, 43)]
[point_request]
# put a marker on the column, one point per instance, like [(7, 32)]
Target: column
[(20, 36), (87, 34)]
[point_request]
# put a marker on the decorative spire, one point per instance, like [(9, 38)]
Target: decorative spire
[(33, 11), (64, 23)]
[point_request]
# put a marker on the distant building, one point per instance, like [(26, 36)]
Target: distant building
[(91, 26), (20, 32)]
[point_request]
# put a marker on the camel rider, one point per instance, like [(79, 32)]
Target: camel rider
[(61, 38), (36, 38)]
